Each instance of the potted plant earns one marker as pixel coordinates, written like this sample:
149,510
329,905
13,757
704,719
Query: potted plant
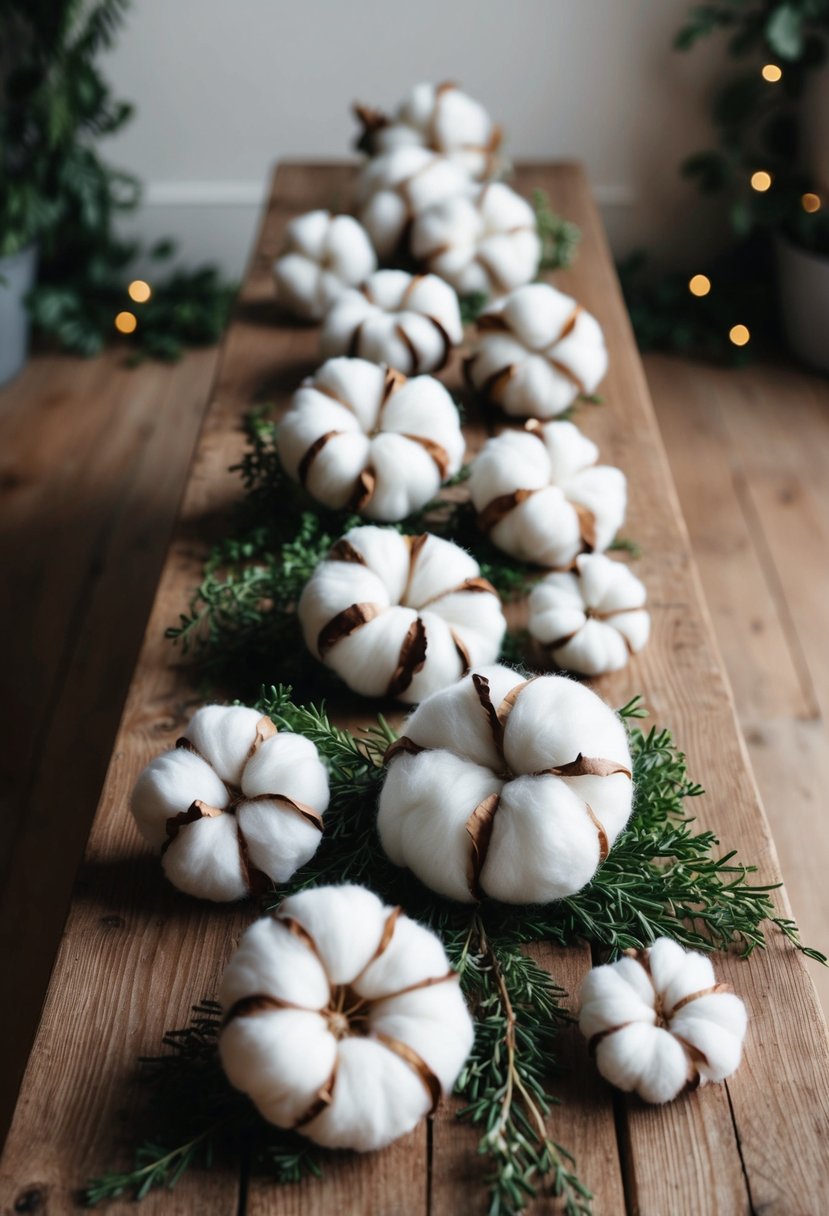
767,165
59,200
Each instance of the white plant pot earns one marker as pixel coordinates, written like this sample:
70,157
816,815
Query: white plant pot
804,302
17,277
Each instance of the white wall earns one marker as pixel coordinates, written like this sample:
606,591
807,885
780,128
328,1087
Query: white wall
224,88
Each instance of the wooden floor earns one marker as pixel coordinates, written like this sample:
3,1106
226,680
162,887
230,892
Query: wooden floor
92,462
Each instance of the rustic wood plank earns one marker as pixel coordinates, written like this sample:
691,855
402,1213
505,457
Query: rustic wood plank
94,457
761,550
671,1156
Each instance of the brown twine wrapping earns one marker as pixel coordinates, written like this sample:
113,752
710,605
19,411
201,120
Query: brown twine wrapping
479,827
411,660
416,1063
344,551
325,1096
500,507
313,451
344,624
411,349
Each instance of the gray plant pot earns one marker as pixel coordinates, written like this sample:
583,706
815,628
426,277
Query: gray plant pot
804,302
17,276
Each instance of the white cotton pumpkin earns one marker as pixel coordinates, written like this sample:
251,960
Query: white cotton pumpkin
506,788
440,117
537,350
234,806
541,496
592,619
408,322
343,1019
398,615
393,189
323,255
658,1022
361,436
484,242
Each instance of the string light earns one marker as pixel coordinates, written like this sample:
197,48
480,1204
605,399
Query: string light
739,335
771,72
761,180
126,322
699,285
139,291
810,203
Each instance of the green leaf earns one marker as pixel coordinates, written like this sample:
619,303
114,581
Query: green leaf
784,31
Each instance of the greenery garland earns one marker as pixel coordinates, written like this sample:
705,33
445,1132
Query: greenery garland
663,876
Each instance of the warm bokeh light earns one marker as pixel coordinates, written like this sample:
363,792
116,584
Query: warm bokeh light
139,291
739,334
126,322
699,285
772,73
761,180
810,203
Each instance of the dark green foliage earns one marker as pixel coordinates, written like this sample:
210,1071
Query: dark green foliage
662,877
559,237
55,106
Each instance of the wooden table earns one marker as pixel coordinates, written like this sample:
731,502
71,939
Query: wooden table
135,954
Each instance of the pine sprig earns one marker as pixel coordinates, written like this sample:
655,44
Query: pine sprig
559,237
518,1014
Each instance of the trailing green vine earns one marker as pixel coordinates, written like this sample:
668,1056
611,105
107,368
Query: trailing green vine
663,876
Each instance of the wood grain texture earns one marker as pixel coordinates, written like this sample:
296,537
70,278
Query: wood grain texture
135,955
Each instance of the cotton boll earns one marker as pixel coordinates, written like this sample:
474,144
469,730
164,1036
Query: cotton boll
234,805
362,436
399,615
322,256
508,788
408,322
658,1021
541,497
441,118
487,242
537,350
593,619
394,188
356,1060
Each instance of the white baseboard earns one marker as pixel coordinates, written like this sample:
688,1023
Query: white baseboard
241,193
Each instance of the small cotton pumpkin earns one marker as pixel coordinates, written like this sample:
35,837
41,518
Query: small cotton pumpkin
234,806
440,117
396,187
400,616
323,254
487,242
343,1019
505,787
593,619
658,1022
408,322
361,436
541,496
537,350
